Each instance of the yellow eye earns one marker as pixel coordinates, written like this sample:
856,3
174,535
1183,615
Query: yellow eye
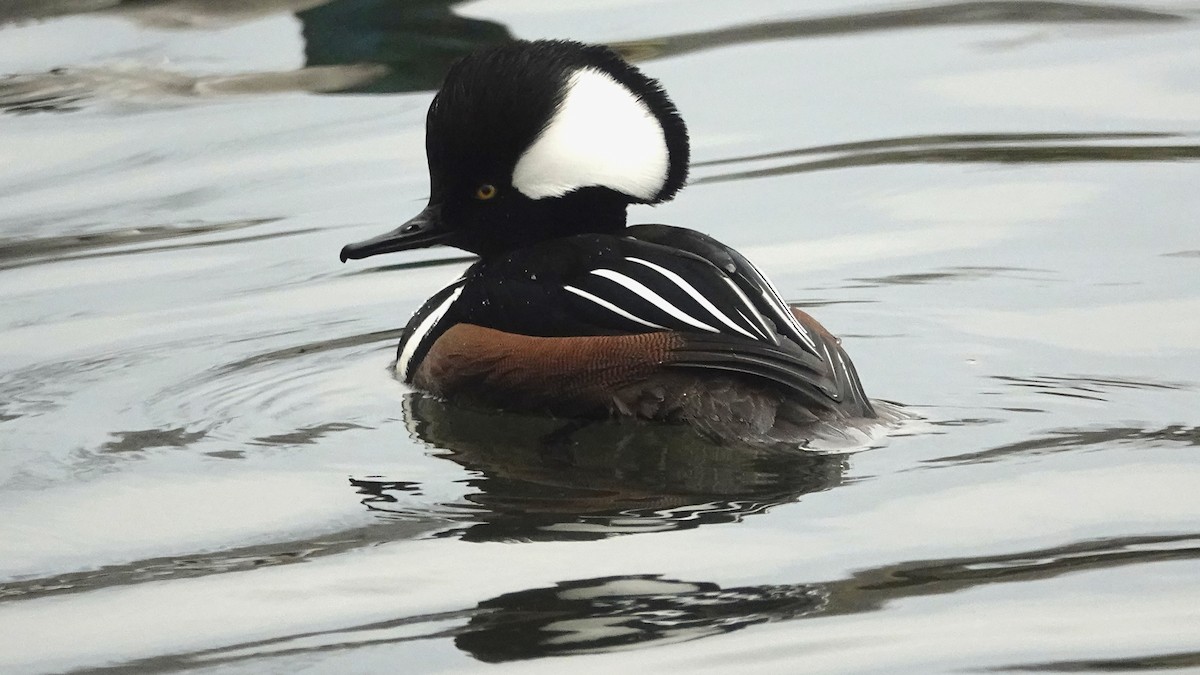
485,192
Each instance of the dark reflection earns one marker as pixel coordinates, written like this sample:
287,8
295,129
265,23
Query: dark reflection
611,613
944,140
1091,388
144,439
1136,664
545,479
953,14
958,273
416,40
306,435
381,46
595,615
69,88
200,564
1071,440
373,46
978,149
307,349
159,13
617,613
21,252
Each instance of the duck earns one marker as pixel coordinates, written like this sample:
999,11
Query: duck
535,151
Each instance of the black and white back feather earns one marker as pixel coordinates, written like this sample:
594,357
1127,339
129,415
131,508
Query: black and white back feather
655,278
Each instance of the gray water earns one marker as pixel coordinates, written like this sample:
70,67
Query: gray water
206,466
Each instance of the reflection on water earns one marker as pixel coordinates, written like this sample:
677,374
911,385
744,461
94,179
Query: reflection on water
959,273
538,478
188,376
416,40
201,564
20,252
1091,388
305,435
308,348
1138,664
602,614
66,90
1033,148
587,616
943,141
1074,440
381,46
164,13
952,14
596,615
143,439
358,46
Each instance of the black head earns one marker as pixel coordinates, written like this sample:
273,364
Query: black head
535,140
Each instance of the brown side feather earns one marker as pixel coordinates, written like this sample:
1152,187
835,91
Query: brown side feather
812,324
600,376
855,401
564,375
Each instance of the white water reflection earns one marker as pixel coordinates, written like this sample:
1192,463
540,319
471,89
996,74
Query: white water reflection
998,204
848,250
247,506
1163,327
1091,90
862,525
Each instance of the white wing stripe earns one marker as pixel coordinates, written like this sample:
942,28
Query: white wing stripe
841,363
752,323
653,298
852,377
759,321
785,312
611,307
695,295
421,332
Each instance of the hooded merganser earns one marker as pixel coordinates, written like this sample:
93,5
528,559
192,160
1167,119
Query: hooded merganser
535,150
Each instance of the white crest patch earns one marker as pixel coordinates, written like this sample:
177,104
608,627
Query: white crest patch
601,135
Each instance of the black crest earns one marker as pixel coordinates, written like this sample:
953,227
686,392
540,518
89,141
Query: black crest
495,102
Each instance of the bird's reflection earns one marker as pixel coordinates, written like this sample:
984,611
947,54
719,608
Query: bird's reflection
536,478
606,614
616,613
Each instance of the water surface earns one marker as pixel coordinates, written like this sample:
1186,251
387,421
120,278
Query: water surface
207,467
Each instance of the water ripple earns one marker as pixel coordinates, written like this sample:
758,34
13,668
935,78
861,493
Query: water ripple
1070,440
961,149
22,252
952,14
606,614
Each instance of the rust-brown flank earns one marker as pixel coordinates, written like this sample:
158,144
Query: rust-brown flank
568,375
812,324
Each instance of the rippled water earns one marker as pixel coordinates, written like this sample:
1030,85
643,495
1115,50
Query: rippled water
206,466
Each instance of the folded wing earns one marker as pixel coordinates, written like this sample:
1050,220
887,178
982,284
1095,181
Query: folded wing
729,316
